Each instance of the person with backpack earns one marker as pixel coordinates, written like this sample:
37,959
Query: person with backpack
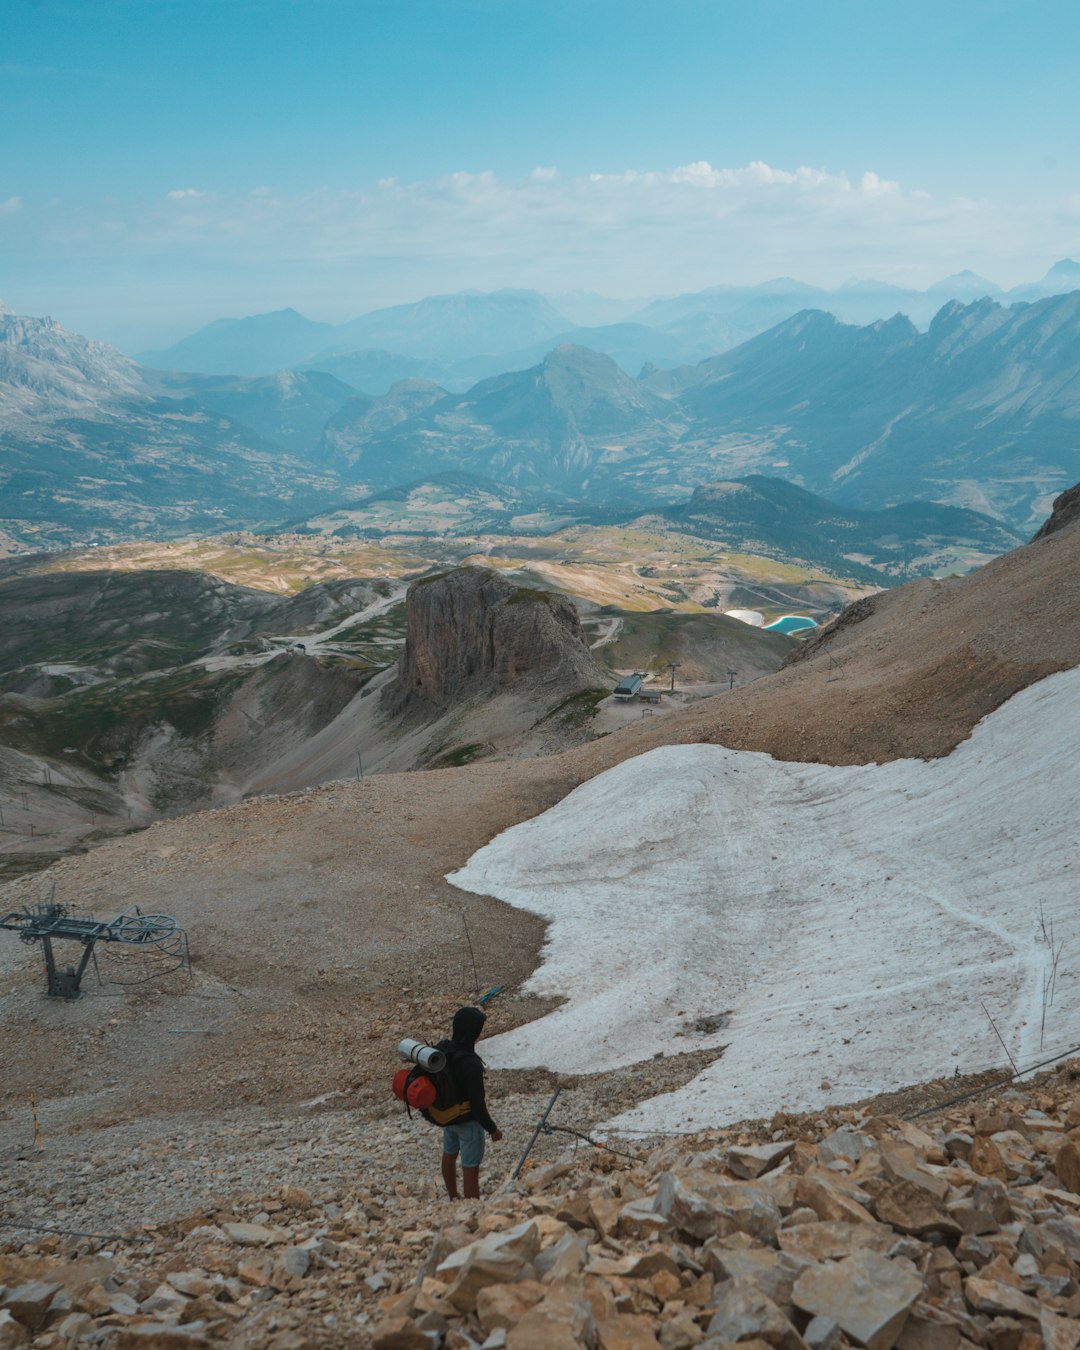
464,1136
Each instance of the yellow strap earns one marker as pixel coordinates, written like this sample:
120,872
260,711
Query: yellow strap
451,1113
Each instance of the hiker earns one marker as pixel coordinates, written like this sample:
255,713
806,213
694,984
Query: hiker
466,1135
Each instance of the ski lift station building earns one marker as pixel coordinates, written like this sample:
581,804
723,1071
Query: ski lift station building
628,687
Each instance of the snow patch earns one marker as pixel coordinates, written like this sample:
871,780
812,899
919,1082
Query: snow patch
836,929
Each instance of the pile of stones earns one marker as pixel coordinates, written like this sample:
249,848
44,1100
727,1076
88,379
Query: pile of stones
801,1234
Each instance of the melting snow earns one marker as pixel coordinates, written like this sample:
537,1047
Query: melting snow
837,929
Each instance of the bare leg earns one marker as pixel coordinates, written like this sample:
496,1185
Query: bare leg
470,1179
449,1175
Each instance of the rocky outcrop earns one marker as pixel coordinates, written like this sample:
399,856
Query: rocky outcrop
1066,512
471,633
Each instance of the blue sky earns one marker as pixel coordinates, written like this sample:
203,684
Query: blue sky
166,162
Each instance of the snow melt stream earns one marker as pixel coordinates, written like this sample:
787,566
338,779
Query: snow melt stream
838,930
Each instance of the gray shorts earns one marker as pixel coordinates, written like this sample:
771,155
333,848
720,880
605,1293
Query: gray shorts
467,1139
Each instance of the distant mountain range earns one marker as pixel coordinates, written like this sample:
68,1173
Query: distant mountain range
456,340
771,516
93,447
982,410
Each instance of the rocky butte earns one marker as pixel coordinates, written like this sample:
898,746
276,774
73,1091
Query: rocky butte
472,634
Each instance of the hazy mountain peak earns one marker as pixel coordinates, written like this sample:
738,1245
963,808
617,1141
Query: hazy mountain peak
43,365
965,284
1065,270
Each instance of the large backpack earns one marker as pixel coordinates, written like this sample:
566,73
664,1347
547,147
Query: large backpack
436,1096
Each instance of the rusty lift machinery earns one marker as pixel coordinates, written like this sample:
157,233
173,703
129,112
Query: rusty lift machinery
49,922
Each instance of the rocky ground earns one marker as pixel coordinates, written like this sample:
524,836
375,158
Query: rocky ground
955,1230
323,929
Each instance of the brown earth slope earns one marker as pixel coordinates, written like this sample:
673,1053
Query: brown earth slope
320,923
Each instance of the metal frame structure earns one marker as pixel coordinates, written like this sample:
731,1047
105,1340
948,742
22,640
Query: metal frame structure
45,923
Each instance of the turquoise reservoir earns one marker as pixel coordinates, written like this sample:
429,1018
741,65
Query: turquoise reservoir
790,623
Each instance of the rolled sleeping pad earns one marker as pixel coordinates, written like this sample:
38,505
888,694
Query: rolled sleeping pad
419,1052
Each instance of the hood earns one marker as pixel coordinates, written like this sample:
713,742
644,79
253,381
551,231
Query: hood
467,1026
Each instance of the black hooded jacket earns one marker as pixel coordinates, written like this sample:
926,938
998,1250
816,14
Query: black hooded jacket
467,1067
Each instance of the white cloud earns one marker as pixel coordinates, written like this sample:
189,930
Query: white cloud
874,186
634,232
11,207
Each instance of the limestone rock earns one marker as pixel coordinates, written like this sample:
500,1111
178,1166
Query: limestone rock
680,1333
155,1336
829,1202
640,1218
867,1295
504,1305
253,1234
999,1299
398,1333
843,1143
833,1241
985,1158
773,1272
702,1207
1067,1165
562,1320
909,1208
1058,1333
743,1312
627,1331
29,1303
494,1259
822,1333
757,1159
563,1258
12,1333
901,1165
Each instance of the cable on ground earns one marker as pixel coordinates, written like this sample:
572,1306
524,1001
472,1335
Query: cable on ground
990,1087
596,1143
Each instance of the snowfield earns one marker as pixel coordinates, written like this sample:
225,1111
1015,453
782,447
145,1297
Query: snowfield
838,930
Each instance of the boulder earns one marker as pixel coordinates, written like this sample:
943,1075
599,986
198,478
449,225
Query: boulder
155,1336
829,1202
495,1259
743,1312
756,1159
867,1295
1058,1333
29,1303
253,1234
627,1331
999,1299
504,1305
833,1241
910,1208
900,1163
399,1333
562,1320
843,1144
12,1333
562,1259
701,1206
1067,1165
773,1272
985,1158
